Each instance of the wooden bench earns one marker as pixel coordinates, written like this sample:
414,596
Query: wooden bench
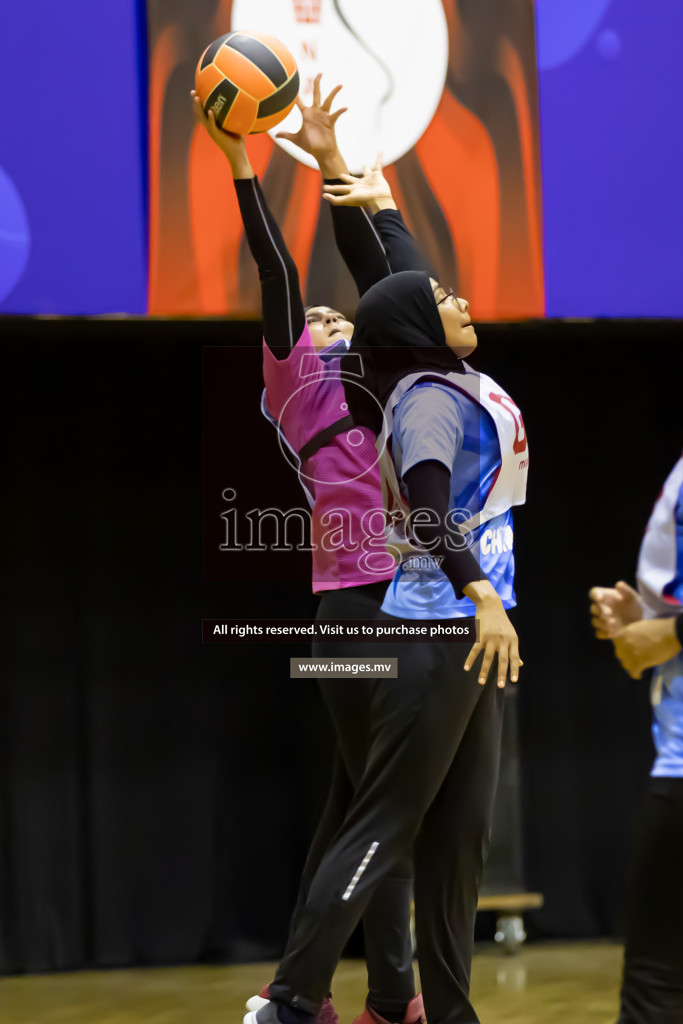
508,907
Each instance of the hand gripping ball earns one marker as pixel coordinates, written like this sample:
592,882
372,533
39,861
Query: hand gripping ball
250,81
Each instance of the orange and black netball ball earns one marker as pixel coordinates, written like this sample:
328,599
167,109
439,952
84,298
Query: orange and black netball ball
250,81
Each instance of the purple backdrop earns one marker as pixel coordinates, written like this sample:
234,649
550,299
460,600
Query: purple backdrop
73,205
611,94
73,219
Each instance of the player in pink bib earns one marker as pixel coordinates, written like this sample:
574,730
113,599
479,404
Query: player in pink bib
337,465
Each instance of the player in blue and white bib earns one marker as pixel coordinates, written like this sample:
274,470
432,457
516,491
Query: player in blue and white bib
430,774
446,421
647,629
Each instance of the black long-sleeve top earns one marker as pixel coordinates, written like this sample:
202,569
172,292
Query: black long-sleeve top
372,248
281,303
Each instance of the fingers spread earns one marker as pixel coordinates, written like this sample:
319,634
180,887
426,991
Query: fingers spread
316,89
472,656
515,661
502,666
337,114
328,100
487,662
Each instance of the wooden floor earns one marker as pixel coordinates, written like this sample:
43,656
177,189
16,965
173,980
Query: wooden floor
544,984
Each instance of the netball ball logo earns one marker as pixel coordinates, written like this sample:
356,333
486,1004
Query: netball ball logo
390,55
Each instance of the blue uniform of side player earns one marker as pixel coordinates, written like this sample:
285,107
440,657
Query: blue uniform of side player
652,987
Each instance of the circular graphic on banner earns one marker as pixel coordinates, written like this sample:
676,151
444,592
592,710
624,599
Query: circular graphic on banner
15,236
608,44
564,27
390,55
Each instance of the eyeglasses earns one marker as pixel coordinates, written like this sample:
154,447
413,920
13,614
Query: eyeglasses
446,296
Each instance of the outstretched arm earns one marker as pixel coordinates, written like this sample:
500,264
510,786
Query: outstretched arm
357,238
401,248
372,192
281,304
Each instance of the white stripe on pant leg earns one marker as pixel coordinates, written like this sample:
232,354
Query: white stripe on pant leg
356,878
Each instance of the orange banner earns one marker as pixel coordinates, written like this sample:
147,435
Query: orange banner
464,160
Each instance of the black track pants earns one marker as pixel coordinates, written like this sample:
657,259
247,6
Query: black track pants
652,988
386,922
427,786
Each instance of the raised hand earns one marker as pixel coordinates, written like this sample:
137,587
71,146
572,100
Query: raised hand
613,608
316,135
369,188
232,145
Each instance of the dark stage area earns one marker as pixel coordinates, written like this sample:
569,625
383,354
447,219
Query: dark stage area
156,795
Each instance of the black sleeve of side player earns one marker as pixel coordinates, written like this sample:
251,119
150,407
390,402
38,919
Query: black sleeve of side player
428,486
400,246
359,243
282,309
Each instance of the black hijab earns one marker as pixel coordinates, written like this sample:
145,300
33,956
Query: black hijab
397,331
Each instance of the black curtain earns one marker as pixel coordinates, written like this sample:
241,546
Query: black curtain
157,796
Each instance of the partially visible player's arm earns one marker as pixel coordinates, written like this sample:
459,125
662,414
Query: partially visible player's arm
372,191
281,305
356,236
647,643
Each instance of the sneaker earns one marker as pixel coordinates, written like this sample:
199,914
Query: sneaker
266,1014
327,1015
415,1013
256,1002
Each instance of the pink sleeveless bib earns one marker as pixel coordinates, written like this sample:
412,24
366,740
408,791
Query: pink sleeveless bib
303,396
